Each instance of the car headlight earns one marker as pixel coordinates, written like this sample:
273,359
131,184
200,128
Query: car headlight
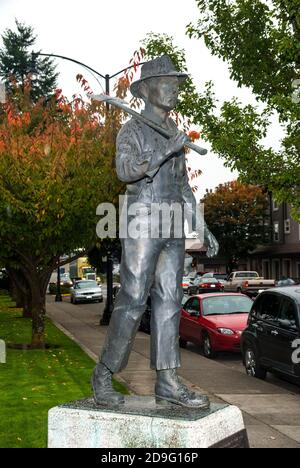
226,331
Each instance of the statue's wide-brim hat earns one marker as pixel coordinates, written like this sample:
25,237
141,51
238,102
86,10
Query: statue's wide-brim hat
157,68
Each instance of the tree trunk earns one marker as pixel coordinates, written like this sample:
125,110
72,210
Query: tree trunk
38,322
31,281
16,295
20,290
38,286
27,309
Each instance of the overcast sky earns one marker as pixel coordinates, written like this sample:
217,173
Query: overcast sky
104,35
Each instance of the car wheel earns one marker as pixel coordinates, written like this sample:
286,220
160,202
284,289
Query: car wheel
74,302
182,343
71,300
207,347
252,366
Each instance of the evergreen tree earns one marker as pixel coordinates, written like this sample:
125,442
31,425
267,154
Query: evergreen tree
17,63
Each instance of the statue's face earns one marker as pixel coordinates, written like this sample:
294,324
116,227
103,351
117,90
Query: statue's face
163,92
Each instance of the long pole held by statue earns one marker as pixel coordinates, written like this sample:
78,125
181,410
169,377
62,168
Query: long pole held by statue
123,105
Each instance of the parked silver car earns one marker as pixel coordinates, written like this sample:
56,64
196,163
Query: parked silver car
86,291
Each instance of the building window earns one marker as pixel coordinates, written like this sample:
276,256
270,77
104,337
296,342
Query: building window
287,226
275,205
287,268
276,232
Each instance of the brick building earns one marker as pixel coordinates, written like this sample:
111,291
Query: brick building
282,256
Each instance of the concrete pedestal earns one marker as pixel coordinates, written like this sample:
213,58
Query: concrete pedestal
2,352
141,423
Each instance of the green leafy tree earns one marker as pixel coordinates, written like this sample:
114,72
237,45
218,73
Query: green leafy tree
259,40
56,166
16,63
237,215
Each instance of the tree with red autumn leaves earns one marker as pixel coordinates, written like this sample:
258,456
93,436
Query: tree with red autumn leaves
56,167
57,164
238,216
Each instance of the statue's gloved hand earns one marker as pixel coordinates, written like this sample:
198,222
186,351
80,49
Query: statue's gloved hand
176,143
211,243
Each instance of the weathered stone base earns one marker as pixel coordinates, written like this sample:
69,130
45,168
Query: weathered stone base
141,423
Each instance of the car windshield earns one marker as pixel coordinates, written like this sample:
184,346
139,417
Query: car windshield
86,284
87,270
247,274
220,276
222,305
208,280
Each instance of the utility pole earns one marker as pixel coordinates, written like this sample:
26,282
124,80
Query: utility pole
109,301
58,297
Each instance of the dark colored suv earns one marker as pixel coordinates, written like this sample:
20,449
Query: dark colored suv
271,341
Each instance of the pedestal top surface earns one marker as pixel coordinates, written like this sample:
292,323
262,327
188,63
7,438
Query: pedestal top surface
146,406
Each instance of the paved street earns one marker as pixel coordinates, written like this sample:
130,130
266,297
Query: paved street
271,409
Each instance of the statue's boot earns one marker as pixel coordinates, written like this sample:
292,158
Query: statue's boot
104,393
169,388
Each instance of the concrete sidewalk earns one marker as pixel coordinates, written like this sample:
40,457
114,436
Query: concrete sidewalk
271,412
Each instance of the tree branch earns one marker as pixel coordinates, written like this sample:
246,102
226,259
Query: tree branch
73,258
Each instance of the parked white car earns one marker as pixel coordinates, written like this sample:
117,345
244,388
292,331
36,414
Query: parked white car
86,291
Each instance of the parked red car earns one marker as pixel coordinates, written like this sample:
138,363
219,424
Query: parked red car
215,321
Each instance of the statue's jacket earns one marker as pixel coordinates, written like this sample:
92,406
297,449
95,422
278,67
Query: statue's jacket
140,152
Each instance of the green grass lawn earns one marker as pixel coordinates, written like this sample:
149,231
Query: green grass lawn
32,382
